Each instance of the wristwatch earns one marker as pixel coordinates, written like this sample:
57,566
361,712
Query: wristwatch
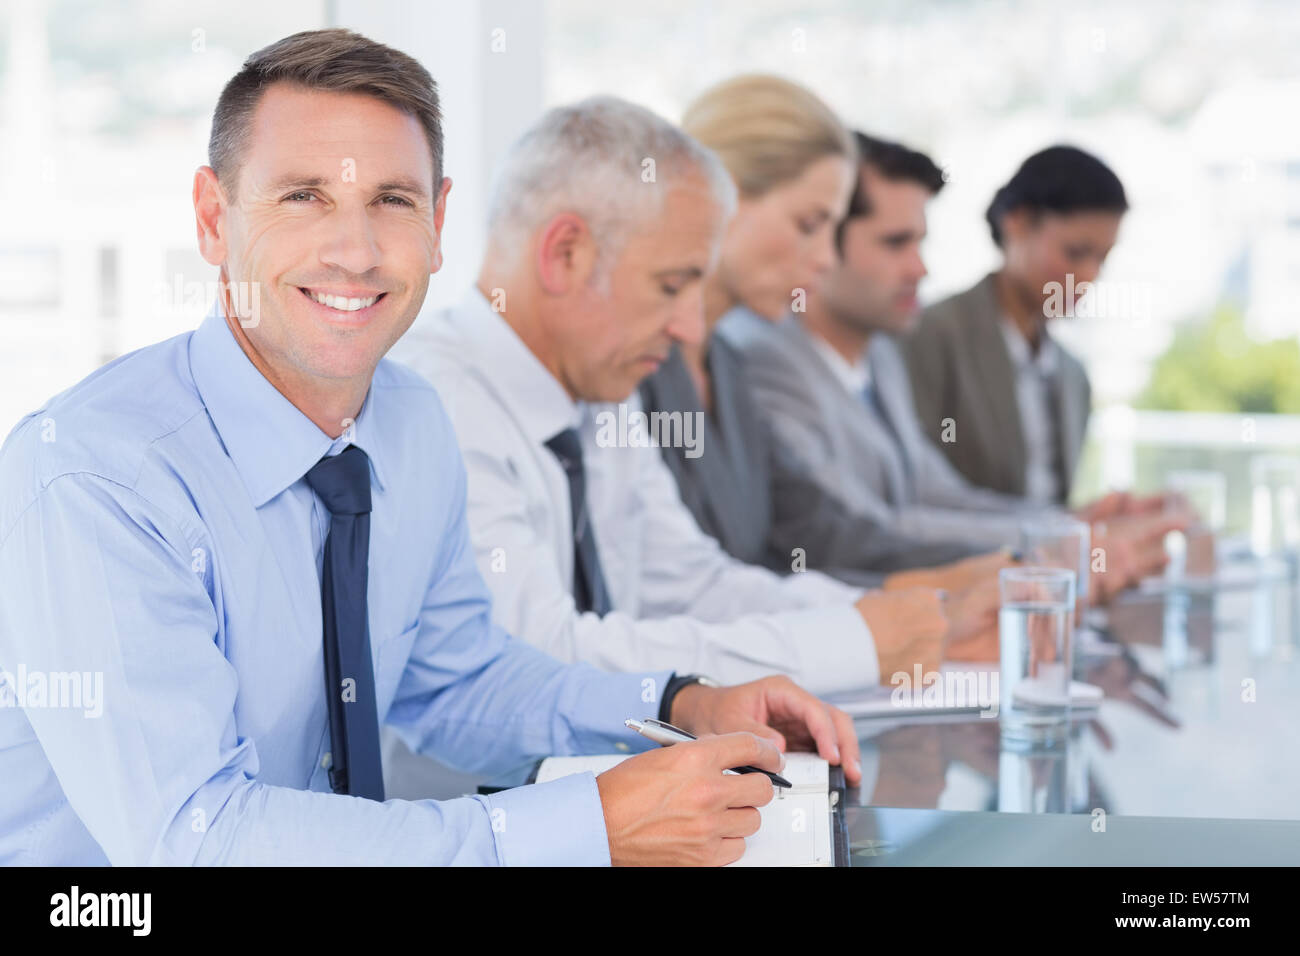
675,684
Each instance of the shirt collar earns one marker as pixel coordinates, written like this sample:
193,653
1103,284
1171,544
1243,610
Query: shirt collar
270,441
1044,362
537,400
854,376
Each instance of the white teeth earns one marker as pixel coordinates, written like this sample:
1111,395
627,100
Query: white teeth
342,303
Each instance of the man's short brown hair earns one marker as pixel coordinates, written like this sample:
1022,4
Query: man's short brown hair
336,60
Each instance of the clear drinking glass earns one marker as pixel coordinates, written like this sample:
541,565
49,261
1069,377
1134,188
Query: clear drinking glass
1274,514
1035,636
1205,493
1033,779
1061,543
1192,552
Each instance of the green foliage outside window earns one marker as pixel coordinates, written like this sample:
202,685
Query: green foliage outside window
1213,366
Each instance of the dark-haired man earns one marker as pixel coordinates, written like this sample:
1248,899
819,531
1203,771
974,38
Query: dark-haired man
250,541
836,389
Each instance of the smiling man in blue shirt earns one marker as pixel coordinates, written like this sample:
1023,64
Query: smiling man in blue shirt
212,525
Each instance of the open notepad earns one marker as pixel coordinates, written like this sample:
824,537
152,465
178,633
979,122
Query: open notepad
966,689
797,827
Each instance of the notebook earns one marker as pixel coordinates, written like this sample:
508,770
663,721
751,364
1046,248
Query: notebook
968,689
802,826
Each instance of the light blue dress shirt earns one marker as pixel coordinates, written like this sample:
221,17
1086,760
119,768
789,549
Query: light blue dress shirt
157,541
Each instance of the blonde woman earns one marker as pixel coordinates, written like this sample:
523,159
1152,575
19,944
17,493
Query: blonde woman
794,165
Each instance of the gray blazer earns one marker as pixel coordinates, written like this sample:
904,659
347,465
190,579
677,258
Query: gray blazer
759,504
876,460
961,369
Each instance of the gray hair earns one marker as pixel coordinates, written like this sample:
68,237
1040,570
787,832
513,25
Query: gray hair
603,159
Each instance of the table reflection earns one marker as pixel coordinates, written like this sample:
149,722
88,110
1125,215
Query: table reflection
1199,718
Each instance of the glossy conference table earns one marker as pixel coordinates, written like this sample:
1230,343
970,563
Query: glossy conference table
1192,758
1186,769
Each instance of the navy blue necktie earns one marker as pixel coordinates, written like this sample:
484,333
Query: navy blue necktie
343,484
589,592
1052,385
871,395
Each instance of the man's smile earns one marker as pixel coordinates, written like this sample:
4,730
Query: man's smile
348,304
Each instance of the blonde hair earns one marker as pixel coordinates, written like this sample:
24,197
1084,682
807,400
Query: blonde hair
766,130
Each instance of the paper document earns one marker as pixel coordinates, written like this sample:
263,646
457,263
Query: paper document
960,689
796,825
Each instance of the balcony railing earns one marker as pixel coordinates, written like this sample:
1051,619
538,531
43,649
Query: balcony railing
1127,448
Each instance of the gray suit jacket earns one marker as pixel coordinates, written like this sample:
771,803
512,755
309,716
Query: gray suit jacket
961,370
875,460
759,505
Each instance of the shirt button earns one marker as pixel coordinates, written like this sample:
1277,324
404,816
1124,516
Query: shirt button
326,760
621,746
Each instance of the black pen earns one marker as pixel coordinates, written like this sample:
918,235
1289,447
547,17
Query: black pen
666,734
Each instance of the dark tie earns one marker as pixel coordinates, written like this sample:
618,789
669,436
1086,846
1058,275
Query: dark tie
343,484
1052,386
589,592
871,395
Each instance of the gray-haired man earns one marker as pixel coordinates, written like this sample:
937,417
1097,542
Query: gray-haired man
605,219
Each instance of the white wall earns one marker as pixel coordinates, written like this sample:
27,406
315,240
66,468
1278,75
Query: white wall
486,57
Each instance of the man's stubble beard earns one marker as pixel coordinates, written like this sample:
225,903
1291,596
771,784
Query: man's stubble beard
857,320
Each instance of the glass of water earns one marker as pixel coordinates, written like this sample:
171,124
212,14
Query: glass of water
1274,515
1061,543
1204,493
1035,635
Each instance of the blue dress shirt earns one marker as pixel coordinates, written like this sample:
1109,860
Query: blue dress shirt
161,678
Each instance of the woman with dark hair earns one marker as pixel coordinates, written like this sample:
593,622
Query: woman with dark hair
983,363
